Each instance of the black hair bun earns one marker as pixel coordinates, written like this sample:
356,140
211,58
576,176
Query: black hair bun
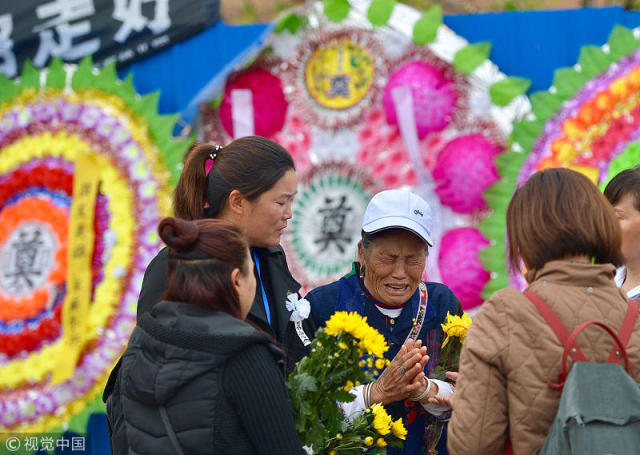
178,234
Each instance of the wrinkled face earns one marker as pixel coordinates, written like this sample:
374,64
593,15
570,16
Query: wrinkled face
629,218
393,266
267,217
245,284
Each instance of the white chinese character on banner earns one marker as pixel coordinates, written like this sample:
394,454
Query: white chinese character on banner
129,12
8,64
62,12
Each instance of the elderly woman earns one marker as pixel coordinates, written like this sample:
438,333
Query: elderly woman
385,286
562,229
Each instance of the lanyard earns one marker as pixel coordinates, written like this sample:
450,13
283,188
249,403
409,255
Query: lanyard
264,294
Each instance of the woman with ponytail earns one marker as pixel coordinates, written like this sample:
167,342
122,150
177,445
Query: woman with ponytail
251,183
196,378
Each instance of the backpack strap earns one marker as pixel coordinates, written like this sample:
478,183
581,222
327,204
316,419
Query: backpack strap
625,330
555,323
569,340
571,344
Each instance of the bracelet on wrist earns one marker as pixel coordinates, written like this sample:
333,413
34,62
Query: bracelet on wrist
424,393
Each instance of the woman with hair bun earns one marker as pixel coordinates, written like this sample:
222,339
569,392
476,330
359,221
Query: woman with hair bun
196,378
251,183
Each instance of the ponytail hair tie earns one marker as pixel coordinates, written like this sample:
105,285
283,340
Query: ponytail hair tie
212,158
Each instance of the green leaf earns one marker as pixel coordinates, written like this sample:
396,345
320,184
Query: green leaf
302,383
8,88
56,75
291,23
593,60
426,29
527,132
470,57
336,10
621,42
544,104
380,11
30,76
504,91
83,75
567,81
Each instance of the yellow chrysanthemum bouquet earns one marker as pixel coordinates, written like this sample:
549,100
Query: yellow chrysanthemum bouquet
346,353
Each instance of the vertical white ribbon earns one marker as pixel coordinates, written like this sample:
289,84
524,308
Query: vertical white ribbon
403,102
242,113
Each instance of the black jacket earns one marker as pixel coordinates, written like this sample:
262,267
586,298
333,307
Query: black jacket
218,379
278,284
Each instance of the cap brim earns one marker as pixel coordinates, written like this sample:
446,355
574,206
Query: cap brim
395,222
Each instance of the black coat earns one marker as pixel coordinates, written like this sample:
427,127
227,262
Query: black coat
278,283
216,376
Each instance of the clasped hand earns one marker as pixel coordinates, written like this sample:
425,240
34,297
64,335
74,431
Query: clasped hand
404,377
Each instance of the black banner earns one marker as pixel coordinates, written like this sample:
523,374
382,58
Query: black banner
123,30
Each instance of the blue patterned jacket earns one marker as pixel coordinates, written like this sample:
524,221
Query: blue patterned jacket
347,294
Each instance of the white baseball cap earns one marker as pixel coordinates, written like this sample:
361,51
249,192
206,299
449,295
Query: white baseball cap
400,209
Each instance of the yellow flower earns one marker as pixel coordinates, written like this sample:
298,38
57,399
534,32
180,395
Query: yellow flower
368,440
456,326
341,345
369,362
339,436
355,325
361,363
348,386
381,442
381,420
399,431
333,452
380,364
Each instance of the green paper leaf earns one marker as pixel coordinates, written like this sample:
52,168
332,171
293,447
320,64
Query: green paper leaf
379,12
593,60
56,74
545,104
148,105
8,88
621,42
426,29
504,91
336,10
83,75
291,23
107,77
470,57
30,76
567,81
525,132
127,91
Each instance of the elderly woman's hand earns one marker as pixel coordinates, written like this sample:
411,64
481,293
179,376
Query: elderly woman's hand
404,375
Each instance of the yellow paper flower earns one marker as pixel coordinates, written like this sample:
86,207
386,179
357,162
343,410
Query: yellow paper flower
381,420
456,326
381,442
399,431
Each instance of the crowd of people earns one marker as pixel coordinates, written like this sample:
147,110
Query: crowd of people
205,367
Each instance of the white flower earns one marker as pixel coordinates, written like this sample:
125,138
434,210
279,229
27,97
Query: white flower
300,308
